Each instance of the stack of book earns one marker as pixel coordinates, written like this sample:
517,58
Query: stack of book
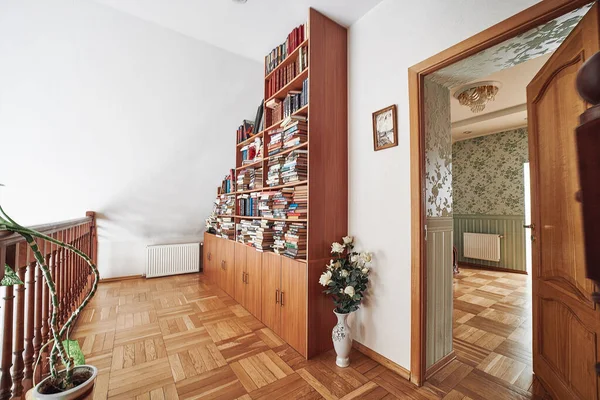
248,204
264,236
299,207
278,237
226,228
295,132
225,205
295,241
275,110
243,180
247,231
275,141
273,174
227,185
245,131
281,201
256,178
265,204
280,53
249,154
295,168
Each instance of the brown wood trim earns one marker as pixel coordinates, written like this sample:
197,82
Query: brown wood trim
9,238
486,267
121,278
519,23
440,364
389,364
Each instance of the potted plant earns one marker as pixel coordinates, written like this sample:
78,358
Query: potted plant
74,381
345,279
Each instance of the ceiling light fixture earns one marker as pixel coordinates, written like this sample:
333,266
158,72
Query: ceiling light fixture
240,1
477,95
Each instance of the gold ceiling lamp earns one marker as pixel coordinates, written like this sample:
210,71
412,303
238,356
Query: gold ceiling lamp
477,95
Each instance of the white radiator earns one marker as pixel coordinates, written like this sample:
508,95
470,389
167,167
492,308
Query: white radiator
172,259
482,246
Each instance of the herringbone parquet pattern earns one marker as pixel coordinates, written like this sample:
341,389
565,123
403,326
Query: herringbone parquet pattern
182,338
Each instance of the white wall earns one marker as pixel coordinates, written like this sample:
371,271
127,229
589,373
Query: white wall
382,46
113,114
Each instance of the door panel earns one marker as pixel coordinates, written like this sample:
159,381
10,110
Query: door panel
293,304
240,270
228,275
271,284
253,282
565,320
206,255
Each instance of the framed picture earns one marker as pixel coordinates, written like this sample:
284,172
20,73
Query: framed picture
385,133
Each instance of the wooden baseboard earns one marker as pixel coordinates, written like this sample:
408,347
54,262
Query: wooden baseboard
121,278
389,364
440,364
498,269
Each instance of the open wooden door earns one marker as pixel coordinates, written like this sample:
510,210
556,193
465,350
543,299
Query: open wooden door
566,321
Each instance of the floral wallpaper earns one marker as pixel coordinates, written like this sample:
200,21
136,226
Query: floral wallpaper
438,150
488,174
531,44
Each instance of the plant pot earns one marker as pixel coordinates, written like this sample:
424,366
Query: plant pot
79,392
342,340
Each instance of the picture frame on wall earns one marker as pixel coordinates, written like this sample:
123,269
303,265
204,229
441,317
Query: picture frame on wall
385,131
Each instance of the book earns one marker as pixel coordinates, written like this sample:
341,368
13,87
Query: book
295,241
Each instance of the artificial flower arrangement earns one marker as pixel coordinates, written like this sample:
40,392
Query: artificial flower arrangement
346,276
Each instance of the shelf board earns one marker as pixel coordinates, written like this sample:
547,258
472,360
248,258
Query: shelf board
301,111
254,164
225,215
286,151
272,188
272,219
250,139
288,60
294,84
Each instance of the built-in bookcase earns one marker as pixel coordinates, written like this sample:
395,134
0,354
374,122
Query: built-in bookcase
327,181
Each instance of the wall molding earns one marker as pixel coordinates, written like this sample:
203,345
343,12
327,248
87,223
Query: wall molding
389,364
121,278
440,364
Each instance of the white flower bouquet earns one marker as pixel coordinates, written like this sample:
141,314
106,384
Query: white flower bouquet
346,276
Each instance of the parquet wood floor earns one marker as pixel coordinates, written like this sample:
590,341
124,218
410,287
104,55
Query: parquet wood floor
182,338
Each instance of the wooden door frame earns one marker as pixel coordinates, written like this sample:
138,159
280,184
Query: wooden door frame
538,14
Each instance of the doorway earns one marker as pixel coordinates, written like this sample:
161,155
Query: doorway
518,25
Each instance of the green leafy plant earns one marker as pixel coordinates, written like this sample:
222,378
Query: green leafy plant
59,348
346,276
10,277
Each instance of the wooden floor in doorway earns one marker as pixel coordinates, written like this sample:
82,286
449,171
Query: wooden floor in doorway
183,338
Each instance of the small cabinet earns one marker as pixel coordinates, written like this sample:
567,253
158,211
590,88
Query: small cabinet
209,256
284,299
248,278
226,266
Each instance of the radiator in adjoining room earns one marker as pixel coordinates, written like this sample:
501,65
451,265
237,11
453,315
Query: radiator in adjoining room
172,259
482,246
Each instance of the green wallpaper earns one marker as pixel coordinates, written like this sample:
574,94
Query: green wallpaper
438,150
487,176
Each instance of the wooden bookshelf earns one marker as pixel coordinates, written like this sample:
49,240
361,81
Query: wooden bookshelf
306,308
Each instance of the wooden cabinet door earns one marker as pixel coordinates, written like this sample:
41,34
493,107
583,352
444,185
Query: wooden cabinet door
294,297
209,257
253,282
228,274
566,321
271,285
240,271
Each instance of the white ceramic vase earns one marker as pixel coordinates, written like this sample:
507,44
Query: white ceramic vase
342,340
83,391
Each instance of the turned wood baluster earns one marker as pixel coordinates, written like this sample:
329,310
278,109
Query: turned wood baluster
7,329
30,320
46,306
60,278
19,323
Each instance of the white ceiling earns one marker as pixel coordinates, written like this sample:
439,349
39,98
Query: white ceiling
251,29
507,111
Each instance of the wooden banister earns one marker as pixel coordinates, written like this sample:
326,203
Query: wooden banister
25,309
